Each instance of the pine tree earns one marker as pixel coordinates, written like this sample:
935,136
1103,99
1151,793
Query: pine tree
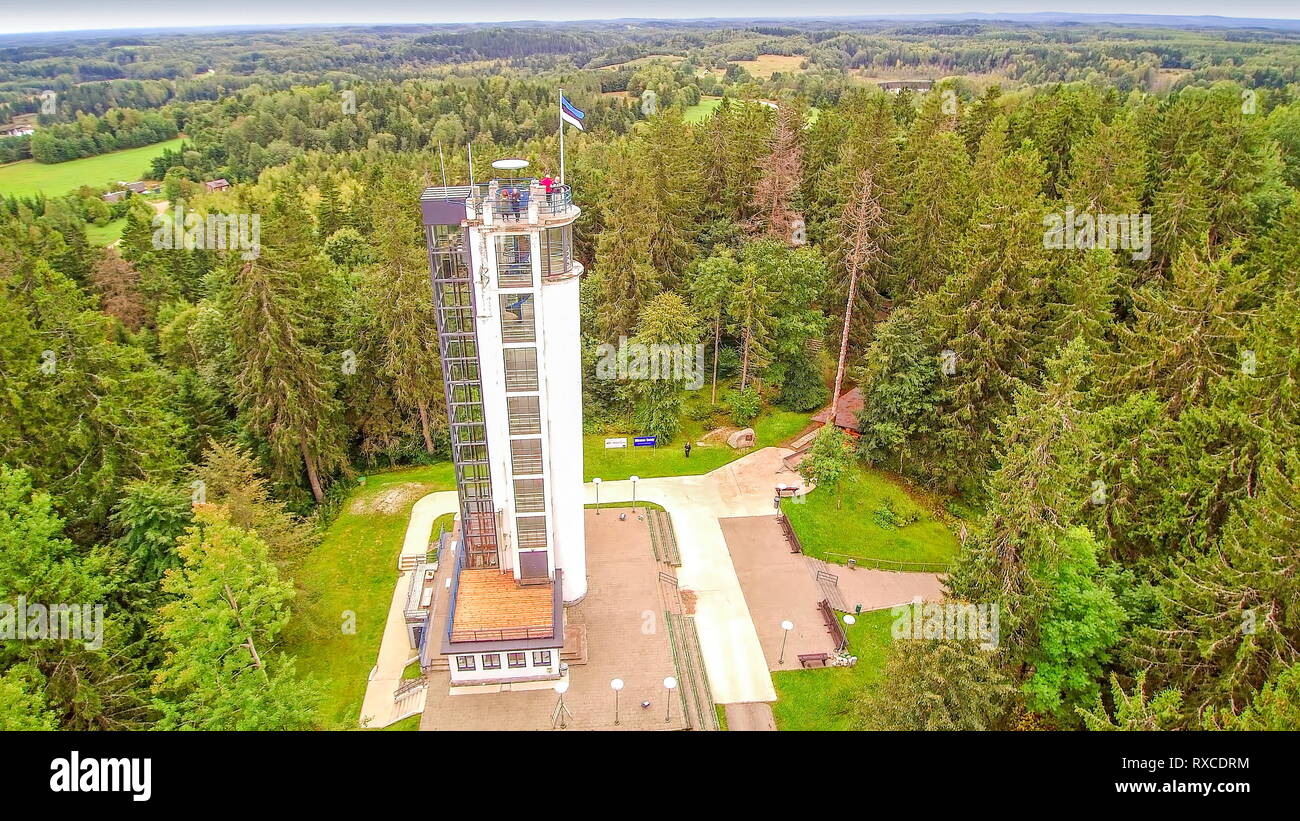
991,309
1034,497
669,322
1083,299
118,285
929,684
1185,337
1234,609
1135,712
898,380
397,292
283,385
938,203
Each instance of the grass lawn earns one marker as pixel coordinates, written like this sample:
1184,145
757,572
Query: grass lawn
27,177
702,110
853,529
106,234
771,428
820,699
354,570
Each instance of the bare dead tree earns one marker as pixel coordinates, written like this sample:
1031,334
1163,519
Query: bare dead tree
863,223
781,173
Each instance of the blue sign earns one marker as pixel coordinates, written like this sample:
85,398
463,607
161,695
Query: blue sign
643,441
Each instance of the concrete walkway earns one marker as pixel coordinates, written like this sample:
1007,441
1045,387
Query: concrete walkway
750,717
733,655
395,650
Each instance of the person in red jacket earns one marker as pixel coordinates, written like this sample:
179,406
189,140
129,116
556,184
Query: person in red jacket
547,183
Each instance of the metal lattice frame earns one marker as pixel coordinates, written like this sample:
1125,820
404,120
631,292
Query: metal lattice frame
454,300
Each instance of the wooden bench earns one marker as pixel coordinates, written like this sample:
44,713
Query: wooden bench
806,659
790,536
833,625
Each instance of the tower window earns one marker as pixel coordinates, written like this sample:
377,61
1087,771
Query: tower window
514,262
532,531
521,369
529,496
517,318
525,414
525,456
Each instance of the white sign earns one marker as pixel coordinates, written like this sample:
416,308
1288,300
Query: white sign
616,443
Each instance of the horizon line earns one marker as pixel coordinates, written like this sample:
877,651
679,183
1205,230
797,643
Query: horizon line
887,16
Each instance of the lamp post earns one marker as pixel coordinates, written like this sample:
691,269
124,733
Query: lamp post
616,685
596,482
787,626
670,684
561,713
780,491
849,620
634,478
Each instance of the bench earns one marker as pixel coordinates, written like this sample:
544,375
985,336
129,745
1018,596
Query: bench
790,536
805,659
833,625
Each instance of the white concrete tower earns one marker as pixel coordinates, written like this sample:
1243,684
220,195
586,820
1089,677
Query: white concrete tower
506,287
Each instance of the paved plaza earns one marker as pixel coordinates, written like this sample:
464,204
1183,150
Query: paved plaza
626,638
780,585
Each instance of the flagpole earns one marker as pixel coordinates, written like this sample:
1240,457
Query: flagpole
561,136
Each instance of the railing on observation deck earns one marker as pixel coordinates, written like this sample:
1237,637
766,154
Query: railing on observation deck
503,634
511,199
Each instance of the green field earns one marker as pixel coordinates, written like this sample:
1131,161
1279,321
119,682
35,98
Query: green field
28,177
822,699
106,234
772,428
702,110
354,569
853,527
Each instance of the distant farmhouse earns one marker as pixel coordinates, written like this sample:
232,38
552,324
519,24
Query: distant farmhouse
216,185
16,131
114,196
896,86
143,187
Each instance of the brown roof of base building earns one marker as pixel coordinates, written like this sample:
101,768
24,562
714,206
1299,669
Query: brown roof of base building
489,600
846,411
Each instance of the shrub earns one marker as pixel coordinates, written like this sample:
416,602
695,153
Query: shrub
744,406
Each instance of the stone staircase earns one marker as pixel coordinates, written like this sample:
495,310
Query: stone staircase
663,539
696,697
408,561
409,699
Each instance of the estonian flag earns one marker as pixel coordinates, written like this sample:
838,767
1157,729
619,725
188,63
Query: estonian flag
571,114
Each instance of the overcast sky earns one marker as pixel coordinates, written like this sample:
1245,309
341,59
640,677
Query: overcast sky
63,15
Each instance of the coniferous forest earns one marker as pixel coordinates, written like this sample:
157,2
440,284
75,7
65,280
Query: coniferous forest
1114,427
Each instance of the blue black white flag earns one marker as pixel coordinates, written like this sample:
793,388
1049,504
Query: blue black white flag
571,114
